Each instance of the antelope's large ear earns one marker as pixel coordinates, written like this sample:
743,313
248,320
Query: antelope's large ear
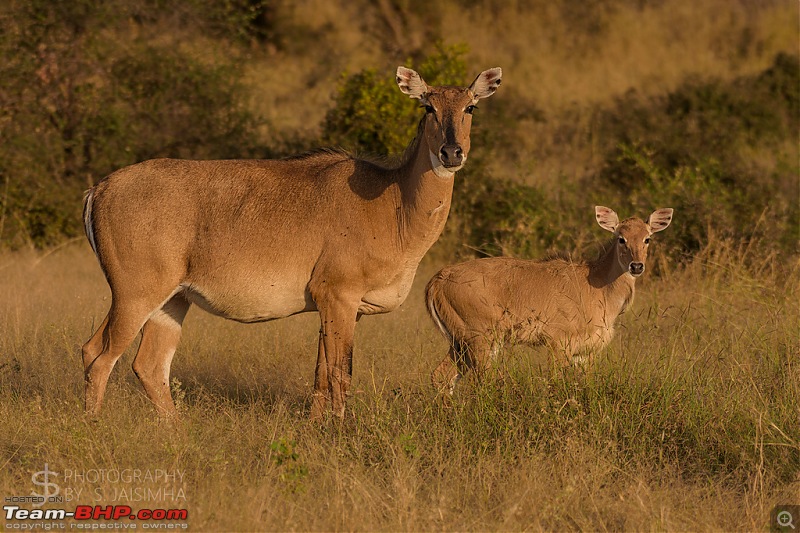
606,217
411,83
486,83
660,219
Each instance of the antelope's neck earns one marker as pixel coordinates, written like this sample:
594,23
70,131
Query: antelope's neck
608,275
426,191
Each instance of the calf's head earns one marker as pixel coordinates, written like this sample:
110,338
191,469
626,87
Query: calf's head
632,235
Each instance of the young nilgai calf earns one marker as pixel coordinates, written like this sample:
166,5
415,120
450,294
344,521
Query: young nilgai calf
570,306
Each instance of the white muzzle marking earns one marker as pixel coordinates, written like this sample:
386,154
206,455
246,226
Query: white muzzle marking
440,170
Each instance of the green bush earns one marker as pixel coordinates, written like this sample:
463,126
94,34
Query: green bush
694,150
176,106
723,155
501,217
371,116
703,121
76,105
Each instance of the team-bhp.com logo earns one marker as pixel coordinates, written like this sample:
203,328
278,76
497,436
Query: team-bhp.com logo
95,512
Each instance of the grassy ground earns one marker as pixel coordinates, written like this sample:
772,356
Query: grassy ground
689,421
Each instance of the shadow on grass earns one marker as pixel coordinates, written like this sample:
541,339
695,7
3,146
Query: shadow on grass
190,389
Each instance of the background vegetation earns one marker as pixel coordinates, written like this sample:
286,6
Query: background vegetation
689,421
697,106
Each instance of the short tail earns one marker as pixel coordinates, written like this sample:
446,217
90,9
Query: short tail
431,293
88,220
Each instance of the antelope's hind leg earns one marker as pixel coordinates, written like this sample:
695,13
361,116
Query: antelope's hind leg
446,375
160,337
478,355
96,375
475,354
104,348
321,383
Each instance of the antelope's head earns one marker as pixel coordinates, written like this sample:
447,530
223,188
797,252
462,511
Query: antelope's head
448,115
633,235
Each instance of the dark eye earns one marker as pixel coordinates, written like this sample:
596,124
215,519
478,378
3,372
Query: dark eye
622,240
469,109
429,108
647,240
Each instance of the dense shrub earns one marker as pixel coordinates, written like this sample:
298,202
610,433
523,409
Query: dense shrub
501,217
370,115
723,154
703,121
80,98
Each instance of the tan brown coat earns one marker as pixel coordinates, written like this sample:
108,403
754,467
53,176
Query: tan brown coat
261,240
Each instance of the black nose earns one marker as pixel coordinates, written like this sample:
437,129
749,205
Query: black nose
451,155
636,268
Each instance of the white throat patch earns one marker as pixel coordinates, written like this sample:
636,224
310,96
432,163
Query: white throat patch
439,169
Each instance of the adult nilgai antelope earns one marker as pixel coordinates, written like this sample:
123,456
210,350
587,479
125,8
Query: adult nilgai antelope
570,306
265,239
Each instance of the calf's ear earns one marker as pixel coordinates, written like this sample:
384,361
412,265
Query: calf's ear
607,218
660,219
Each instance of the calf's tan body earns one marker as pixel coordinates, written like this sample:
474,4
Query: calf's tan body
570,306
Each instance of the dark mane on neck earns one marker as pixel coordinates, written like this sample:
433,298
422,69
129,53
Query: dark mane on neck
388,162
604,250
559,255
320,152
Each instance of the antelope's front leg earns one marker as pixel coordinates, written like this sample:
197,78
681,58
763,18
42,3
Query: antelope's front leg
338,319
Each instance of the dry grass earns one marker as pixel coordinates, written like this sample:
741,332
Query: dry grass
688,422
